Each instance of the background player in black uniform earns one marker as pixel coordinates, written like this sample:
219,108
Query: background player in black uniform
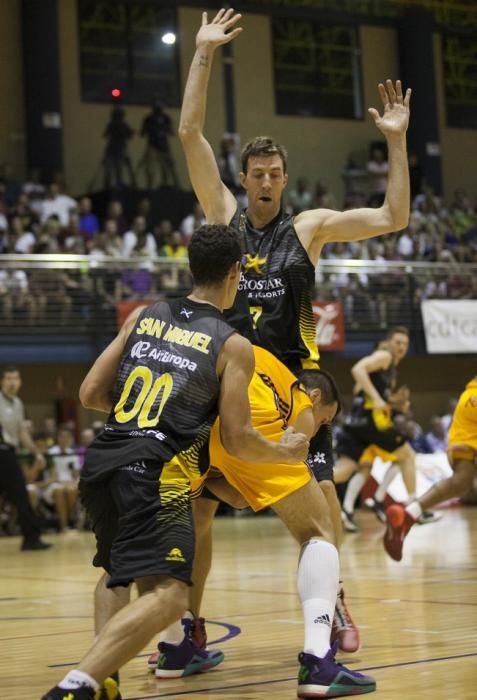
171,370
370,421
273,306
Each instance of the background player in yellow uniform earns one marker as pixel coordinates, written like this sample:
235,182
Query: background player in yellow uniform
462,452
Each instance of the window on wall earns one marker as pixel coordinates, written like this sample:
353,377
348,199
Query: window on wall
460,79
317,69
128,47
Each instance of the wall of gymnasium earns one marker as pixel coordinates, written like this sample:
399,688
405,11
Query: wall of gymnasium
12,136
318,147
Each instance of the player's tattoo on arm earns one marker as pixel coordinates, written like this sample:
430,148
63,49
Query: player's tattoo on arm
204,61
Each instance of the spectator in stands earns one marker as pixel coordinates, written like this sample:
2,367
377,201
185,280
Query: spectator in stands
71,239
33,470
86,438
301,197
17,304
114,244
156,129
57,204
63,478
138,241
437,435
50,428
13,434
21,241
174,248
416,437
162,231
25,212
405,246
3,213
144,209
192,222
33,187
116,157
116,212
88,221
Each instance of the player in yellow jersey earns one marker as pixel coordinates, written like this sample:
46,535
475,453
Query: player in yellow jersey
462,452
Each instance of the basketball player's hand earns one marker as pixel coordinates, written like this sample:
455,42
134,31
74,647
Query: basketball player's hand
297,445
380,404
219,31
395,118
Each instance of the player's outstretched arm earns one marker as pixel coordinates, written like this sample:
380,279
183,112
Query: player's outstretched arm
216,200
97,387
240,439
358,224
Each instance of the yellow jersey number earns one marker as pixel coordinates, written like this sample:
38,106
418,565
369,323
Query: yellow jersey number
255,312
146,397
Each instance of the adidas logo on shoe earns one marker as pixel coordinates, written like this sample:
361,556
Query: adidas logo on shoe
323,620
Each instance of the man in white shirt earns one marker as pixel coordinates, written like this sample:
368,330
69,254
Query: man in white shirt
56,204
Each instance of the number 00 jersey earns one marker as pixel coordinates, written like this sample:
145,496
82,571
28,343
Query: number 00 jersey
273,308
166,393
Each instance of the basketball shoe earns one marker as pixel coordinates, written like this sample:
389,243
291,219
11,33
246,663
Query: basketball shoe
399,522
377,508
186,658
198,635
348,521
344,631
325,678
108,691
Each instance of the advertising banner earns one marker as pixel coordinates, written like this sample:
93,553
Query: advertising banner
450,325
329,319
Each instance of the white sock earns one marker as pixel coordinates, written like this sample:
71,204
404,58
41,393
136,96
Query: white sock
382,489
318,580
76,679
414,509
355,485
174,634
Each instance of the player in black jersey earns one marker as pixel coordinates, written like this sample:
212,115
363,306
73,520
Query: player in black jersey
370,423
273,306
171,370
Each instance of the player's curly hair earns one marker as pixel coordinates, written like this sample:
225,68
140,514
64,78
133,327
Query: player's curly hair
213,249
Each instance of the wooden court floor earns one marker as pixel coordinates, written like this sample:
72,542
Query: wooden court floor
418,618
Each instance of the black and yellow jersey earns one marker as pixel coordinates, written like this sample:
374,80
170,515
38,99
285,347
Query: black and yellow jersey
166,394
273,308
384,381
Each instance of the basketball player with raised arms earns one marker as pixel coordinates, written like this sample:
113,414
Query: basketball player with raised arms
273,306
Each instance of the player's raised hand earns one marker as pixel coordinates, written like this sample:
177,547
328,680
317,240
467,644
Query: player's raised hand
220,30
395,118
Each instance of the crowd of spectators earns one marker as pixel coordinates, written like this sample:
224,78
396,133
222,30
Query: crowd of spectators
38,218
